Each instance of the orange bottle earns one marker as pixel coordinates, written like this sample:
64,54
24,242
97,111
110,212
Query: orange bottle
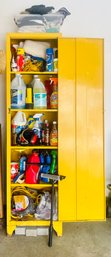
54,135
54,95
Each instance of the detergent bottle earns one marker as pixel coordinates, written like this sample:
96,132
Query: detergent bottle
33,80
33,168
39,94
18,93
38,127
54,95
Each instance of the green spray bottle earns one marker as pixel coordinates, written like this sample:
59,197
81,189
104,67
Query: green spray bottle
54,161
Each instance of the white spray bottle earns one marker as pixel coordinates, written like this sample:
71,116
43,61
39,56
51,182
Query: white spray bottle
38,126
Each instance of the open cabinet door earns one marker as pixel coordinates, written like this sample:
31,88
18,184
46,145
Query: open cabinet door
90,129
66,128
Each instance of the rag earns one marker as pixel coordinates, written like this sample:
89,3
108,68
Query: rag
39,9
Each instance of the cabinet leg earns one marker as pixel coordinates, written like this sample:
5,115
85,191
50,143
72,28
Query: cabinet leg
10,229
58,227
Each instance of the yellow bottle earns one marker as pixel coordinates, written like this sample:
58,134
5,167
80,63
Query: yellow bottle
54,135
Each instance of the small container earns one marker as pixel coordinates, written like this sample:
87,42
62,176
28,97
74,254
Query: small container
54,95
54,135
29,104
20,57
14,169
56,60
55,64
49,59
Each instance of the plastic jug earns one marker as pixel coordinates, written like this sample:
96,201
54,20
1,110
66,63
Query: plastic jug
18,92
39,94
33,168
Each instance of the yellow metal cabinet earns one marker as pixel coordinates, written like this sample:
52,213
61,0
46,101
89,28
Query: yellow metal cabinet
80,129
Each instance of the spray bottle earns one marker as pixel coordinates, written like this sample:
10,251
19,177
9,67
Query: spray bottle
54,161
38,127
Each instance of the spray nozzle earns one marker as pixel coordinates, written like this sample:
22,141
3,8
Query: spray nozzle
38,116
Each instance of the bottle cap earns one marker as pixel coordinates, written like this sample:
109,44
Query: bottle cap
49,51
20,51
54,80
36,76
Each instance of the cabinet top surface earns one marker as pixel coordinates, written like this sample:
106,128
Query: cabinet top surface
34,35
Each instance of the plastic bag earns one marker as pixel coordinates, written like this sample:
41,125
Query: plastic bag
43,209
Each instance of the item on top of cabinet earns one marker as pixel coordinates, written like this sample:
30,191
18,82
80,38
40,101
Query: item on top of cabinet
49,59
52,22
42,21
54,95
54,135
39,94
39,9
18,92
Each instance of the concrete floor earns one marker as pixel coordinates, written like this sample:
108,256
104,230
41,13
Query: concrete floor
78,240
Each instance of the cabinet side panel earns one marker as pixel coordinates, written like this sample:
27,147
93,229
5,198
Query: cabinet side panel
89,126
8,129
66,128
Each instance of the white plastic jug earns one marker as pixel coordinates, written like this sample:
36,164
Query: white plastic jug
39,94
18,93
18,122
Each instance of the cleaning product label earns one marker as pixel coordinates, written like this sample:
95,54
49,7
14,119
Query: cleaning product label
40,100
16,96
53,139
